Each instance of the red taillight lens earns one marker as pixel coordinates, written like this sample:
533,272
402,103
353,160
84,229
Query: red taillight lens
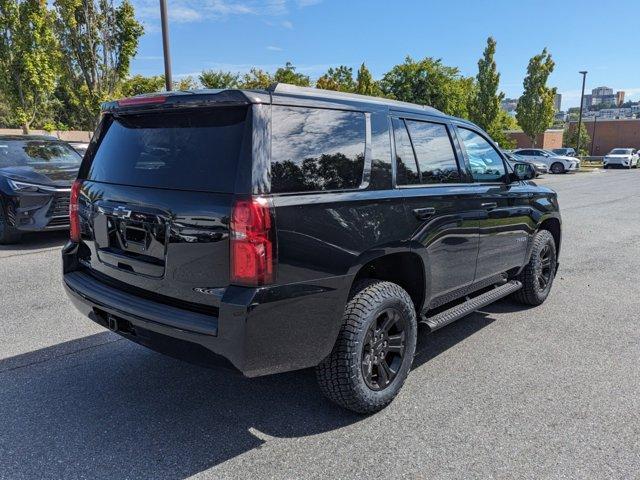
252,243
74,217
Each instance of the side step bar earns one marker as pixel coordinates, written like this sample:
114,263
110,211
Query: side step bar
462,310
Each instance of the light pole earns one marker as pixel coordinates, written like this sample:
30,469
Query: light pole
584,77
165,45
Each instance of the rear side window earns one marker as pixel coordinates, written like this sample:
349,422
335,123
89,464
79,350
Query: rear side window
188,150
436,159
316,149
406,168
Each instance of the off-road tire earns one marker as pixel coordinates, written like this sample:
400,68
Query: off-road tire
340,375
7,234
557,167
532,292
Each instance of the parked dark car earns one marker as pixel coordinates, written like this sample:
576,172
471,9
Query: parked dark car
36,173
293,228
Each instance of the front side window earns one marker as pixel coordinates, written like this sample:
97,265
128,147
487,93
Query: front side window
485,162
316,149
433,148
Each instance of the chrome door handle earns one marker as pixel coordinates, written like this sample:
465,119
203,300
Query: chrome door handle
489,205
424,213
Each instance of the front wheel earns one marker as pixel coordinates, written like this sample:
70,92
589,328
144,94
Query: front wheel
557,168
374,350
8,234
537,276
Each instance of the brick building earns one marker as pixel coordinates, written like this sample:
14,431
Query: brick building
552,138
610,134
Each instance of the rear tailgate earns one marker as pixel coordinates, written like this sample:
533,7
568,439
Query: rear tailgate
156,198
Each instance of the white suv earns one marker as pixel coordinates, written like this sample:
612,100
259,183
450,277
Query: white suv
556,163
621,157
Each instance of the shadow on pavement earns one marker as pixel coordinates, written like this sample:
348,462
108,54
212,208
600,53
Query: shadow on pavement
38,240
100,408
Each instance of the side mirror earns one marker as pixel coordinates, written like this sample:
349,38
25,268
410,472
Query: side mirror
523,171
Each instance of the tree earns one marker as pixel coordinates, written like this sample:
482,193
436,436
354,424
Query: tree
139,84
98,41
339,79
219,79
571,137
535,109
484,108
257,79
287,74
429,82
365,84
185,83
28,58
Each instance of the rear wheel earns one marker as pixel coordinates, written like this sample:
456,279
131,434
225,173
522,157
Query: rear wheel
537,276
557,168
8,234
374,350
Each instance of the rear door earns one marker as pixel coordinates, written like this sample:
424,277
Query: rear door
505,216
439,204
157,195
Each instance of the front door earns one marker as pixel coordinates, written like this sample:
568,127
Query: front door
505,223
439,203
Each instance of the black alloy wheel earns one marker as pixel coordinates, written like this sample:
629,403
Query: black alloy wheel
557,168
383,349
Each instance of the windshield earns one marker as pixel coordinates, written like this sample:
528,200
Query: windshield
621,151
33,153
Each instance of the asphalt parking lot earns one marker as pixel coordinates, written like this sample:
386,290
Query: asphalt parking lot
549,392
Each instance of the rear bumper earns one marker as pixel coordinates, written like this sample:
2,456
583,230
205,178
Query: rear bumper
258,330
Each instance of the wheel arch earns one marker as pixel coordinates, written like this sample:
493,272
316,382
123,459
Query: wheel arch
404,268
553,226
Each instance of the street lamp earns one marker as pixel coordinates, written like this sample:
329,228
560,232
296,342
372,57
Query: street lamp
584,77
165,45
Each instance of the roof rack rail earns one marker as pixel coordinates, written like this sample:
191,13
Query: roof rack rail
312,91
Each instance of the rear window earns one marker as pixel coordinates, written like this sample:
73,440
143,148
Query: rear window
188,150
621,151
316,149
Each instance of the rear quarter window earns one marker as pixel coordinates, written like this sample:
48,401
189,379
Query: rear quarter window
316,149
194,150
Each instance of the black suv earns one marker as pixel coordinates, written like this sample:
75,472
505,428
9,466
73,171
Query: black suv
292,228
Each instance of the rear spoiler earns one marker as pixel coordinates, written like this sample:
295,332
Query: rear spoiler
182,99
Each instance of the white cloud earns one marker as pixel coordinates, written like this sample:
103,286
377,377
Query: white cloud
287,24
273,48
307,3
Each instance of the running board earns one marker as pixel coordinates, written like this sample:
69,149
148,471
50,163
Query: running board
462,310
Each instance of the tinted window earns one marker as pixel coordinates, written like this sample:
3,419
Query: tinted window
621,151
406,168
485,162
432,145
194,150
316,149
34,153
524,152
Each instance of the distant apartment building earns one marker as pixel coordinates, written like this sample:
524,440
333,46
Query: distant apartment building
603,96
510,105
557,102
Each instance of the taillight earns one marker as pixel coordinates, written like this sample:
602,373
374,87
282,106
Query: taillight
74,217
135,101
252,241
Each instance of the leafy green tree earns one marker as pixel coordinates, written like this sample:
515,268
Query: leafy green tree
484,108
287,74
98,40
365,84
219,79
535,109
139,84
570,138
256,79
185,83
339,79
28,58
429,82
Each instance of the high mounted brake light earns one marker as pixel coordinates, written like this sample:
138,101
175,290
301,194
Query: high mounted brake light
74,216
252,243
134,101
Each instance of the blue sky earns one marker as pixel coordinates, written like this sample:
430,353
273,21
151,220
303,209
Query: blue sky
601,37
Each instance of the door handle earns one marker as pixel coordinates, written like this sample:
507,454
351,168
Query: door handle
489,205
424,213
